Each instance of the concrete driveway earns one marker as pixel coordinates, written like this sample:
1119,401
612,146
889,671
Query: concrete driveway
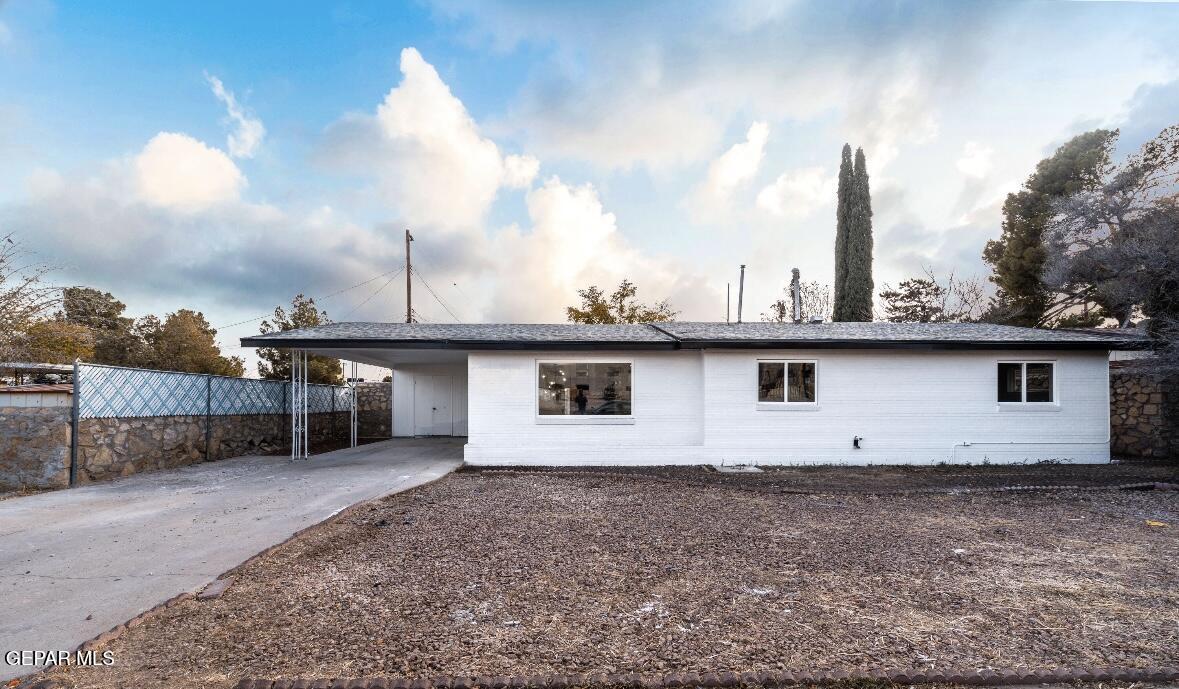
77,562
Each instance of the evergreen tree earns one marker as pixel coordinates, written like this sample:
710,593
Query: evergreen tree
842,213
275,364
853,298
1017,257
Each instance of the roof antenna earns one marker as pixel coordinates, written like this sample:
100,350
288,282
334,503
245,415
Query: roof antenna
740,293
728,299
796,295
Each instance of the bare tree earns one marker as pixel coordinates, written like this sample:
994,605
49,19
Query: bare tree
816,303
929,300
24,294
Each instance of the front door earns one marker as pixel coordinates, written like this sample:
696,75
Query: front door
432,405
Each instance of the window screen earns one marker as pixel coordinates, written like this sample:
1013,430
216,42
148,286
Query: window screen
577,389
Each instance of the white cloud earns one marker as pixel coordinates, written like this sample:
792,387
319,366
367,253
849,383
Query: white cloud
975,160
574,242
740,163
430,162
177,171
798,193
248,132
519,171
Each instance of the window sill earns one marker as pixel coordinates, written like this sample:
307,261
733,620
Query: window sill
585,420
788,406
1027,406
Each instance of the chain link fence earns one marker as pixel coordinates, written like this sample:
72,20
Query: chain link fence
127,420
117,392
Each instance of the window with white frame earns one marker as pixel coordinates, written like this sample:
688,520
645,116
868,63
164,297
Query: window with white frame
571,388
786,382
1026,381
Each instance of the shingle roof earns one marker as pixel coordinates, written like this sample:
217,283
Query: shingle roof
684,335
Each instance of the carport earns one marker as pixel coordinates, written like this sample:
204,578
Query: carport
429,395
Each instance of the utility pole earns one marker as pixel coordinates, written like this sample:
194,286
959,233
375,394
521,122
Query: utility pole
408,280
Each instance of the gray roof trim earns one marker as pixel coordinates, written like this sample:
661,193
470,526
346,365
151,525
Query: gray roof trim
682,335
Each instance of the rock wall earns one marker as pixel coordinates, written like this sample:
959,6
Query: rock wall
374,410
108,448
1143,415
34,447
35,442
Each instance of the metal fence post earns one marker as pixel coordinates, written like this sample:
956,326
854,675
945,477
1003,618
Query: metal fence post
74,426
208,413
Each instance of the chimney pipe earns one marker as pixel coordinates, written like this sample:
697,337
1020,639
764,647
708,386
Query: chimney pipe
740,293
796,295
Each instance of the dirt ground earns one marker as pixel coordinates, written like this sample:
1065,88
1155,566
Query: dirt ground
506,573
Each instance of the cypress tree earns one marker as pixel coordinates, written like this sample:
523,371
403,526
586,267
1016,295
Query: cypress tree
842,214
858,285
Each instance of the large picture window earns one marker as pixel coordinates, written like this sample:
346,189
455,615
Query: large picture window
583,389
789,382
1026,381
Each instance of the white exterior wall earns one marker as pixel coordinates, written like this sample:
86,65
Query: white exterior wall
910,407
667,399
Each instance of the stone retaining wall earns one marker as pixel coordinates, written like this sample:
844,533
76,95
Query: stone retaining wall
34,447
374,407
108,448
35,442
1143,415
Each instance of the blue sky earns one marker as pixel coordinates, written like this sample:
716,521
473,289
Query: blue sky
535,148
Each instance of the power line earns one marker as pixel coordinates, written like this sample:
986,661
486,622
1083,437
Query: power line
338,291
435,295
375,293
453,284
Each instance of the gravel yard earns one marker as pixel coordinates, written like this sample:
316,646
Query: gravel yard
506,573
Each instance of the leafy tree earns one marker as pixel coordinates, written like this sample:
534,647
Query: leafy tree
816,303
843,201
620,307
853,296
55,341
115,341
185,341
927,300
275,363
1017,257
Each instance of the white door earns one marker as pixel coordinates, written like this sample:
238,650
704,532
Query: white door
432,405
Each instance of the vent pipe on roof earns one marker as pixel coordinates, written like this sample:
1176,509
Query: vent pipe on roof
728,299
796,295
741,293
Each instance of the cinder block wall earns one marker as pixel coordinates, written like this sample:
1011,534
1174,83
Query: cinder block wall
1143,415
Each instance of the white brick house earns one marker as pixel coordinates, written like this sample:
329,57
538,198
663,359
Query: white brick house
753,393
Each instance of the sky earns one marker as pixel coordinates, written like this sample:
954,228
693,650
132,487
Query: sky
224,156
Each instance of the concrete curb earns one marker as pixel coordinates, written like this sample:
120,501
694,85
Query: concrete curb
729,680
